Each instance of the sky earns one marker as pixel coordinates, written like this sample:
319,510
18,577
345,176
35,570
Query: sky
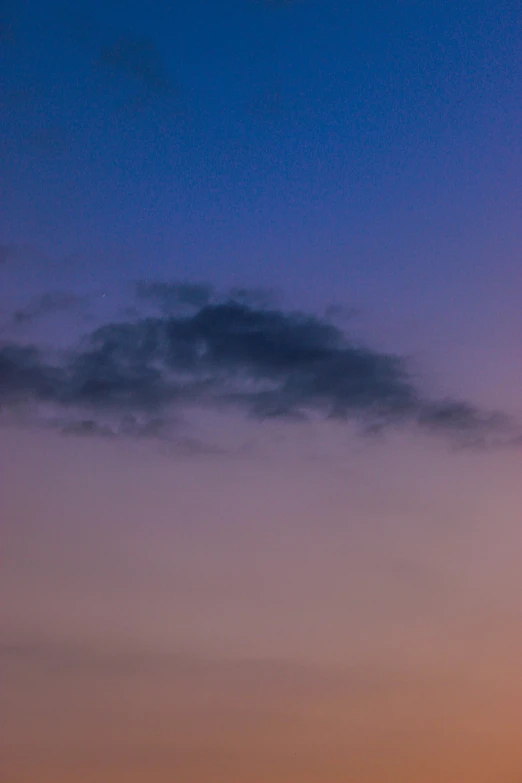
260,386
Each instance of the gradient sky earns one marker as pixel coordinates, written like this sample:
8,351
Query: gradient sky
260,378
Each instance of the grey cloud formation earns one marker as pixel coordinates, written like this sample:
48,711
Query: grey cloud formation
134,376
53,302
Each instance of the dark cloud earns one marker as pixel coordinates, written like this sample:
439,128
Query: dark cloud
450,414
25,376
171,298
254,297
47,304
139,59
131,377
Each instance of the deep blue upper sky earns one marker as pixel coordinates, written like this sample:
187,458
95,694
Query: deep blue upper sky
366,153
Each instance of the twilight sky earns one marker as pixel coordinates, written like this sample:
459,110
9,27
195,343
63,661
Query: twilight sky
260,378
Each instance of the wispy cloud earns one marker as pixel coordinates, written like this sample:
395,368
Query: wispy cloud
65,656
132,55
47,304
139,59
134,376
84,656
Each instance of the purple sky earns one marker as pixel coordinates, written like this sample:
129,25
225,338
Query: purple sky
243,533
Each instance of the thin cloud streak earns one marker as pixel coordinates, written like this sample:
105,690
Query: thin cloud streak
65,656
